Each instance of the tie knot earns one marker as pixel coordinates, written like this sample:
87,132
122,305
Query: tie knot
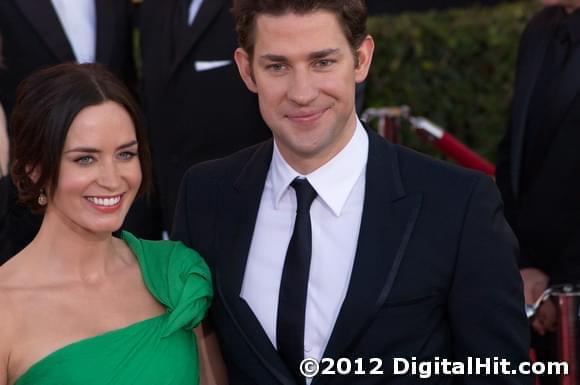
305,193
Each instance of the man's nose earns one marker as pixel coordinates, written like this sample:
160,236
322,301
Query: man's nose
302,89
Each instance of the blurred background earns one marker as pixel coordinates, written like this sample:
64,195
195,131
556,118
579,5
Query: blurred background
451,61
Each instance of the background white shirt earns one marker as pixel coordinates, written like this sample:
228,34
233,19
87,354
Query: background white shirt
78,19
193,10
335,216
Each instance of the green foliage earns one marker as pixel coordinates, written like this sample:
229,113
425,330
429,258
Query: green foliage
453,67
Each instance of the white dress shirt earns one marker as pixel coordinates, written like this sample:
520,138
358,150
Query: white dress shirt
335,216
78,19
193,10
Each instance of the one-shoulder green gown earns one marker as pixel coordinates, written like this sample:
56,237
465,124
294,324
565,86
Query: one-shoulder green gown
156,351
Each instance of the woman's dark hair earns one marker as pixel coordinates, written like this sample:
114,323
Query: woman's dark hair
47,102
351,14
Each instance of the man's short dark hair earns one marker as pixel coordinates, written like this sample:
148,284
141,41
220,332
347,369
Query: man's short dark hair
47,102
351,15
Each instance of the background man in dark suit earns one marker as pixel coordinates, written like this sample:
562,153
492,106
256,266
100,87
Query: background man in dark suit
538,161
197,106
41,33
328,241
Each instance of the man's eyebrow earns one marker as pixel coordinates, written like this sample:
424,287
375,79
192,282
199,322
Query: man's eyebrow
94,150
323,53
312,56
272,57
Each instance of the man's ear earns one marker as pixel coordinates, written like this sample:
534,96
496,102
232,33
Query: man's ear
245,68
365,57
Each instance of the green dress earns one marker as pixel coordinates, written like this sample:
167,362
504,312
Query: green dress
156,351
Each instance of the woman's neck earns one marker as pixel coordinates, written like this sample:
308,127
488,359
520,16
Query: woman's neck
68,251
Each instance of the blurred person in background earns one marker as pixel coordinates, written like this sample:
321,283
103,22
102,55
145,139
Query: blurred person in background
539,163
196,105
40,33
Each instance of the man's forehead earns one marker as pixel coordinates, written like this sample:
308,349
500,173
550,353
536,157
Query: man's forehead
311,32
291,21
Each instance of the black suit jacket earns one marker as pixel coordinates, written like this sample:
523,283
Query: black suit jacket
33,38
434,275
545,212
193,115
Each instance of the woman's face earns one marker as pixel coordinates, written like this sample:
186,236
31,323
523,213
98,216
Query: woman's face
100,173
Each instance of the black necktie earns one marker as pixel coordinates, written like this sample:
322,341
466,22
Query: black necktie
294,283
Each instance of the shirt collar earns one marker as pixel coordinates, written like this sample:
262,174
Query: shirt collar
334,180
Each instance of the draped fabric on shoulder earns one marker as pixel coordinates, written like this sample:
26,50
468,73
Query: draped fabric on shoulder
158,351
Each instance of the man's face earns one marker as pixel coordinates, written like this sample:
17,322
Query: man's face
304,72
569,5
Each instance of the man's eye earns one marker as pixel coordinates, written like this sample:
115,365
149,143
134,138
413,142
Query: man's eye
85,160
126,155
276,67
324,63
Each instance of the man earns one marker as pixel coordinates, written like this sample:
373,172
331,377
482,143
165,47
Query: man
41,33
329,242
196,105
538,162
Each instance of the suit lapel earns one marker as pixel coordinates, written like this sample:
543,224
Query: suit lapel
44,20
387,222
238,213
207,12
105,30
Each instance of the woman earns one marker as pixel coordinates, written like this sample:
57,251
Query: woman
77,305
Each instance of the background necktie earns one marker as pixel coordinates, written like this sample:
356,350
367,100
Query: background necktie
294,283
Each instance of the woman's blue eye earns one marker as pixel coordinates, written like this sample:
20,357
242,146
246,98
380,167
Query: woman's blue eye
85,160
126,155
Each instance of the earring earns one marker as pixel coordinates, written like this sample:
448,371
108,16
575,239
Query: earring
42,200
